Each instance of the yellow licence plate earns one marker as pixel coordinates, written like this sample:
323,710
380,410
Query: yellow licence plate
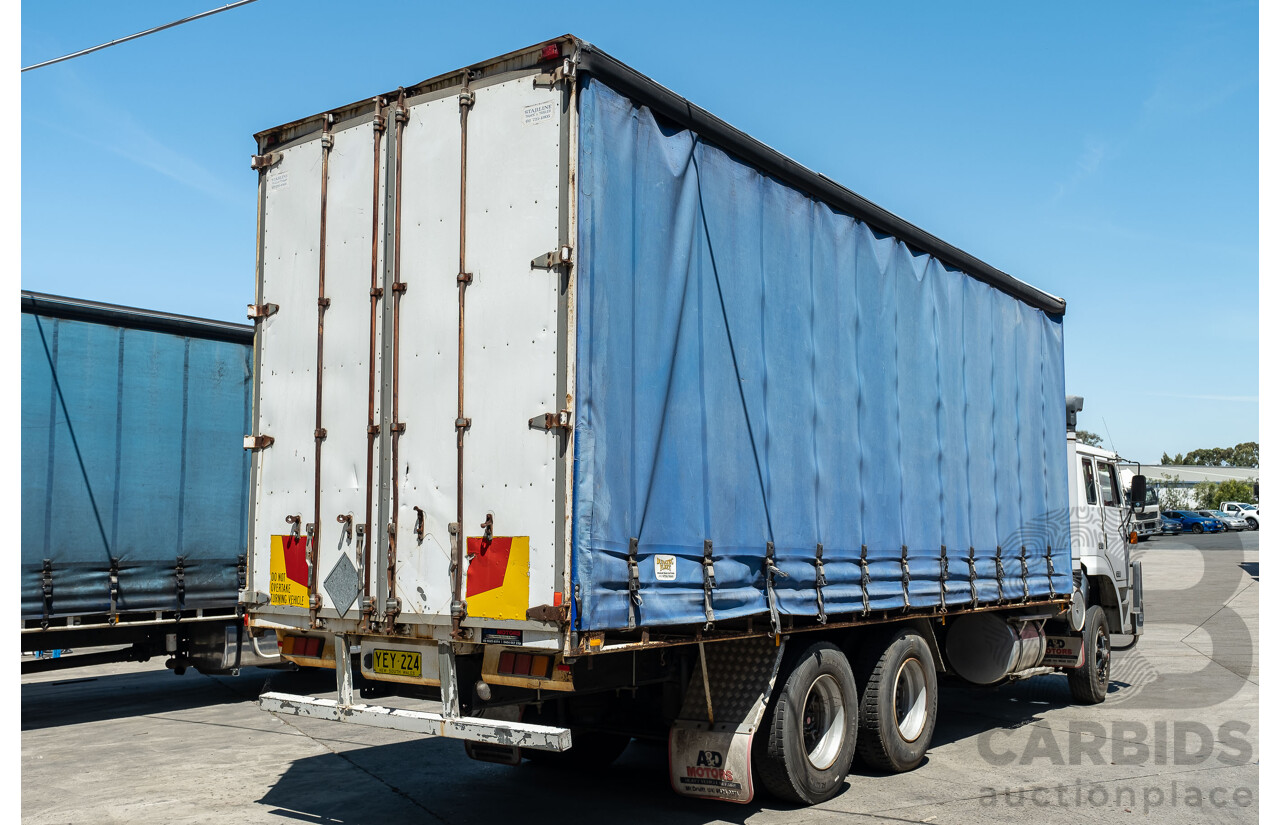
398,663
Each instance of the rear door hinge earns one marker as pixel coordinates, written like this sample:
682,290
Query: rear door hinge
259,311
562,73
266,161
551,614
258,442
552,421
558,257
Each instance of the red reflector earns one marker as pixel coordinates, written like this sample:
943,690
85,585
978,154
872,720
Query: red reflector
557,599
507,663
565,668
551,51
523,662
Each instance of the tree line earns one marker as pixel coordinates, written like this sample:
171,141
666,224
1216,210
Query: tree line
1241,455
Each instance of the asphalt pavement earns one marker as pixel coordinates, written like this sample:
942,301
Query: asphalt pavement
1177,740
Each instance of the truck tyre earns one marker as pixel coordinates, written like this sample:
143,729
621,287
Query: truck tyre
1089,682
807,738
899,702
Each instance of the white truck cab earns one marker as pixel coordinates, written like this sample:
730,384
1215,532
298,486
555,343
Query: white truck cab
1103,530
1248,512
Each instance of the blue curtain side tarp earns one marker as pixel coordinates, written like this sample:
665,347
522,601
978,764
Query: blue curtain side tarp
132,449
755,367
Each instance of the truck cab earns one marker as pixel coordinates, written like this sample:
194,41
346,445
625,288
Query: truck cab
1102,533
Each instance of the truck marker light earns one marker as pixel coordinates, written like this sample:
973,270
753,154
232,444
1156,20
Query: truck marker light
551,51
539,667
507,662
1133,537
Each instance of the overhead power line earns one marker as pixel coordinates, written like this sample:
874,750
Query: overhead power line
139,34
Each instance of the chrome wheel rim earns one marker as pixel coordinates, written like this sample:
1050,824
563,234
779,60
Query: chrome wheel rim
1102,658
823,722
910,700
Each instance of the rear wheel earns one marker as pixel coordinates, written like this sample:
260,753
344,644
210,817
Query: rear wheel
1089,681
807,738
899,707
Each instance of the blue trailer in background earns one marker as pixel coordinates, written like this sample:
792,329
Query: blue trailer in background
134,486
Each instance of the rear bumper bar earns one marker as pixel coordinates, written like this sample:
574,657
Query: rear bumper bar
472,728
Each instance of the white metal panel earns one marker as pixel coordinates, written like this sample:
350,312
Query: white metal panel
430,179
345,411
513,203
287,381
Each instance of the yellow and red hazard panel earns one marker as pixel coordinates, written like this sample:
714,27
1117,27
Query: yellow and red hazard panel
289,571
498,577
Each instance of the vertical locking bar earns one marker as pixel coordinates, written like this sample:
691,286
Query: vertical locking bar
392,606
1048,559
364,550
466,99
322,304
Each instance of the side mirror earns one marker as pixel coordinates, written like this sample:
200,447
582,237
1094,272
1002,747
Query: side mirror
1138,492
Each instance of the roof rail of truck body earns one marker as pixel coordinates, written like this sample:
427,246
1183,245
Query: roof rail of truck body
76,309
622,78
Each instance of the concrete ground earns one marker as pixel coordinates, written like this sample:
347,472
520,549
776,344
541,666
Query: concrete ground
1177,739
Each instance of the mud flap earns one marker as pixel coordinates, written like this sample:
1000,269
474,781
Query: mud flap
491,752
709,748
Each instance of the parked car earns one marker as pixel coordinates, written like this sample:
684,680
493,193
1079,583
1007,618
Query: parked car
1248,512
1193,522
1230,522
1169,526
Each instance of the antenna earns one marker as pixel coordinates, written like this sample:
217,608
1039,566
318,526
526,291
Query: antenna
1109,439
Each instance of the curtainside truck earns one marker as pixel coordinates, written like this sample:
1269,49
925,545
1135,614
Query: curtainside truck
135,488
590,416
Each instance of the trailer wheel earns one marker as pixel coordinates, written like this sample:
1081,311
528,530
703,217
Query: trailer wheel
1089,682
899,702
809,732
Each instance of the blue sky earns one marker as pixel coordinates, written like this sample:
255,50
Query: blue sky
1104,152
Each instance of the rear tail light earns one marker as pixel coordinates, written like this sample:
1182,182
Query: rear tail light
532,665
312,646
